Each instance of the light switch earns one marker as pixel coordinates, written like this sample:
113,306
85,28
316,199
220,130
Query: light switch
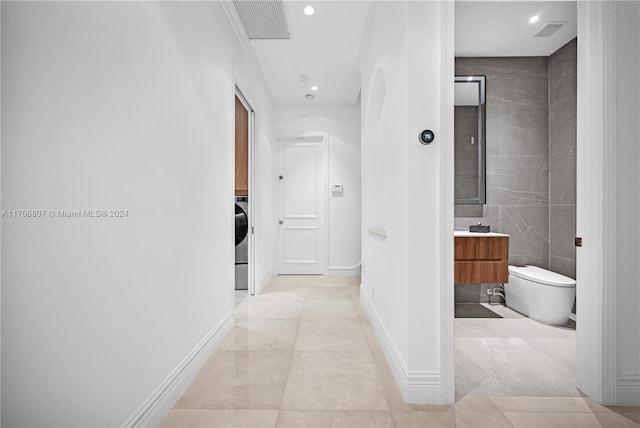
337,188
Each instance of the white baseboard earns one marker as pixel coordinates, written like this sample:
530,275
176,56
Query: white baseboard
417,386
344,270
264,280
155,408
628,391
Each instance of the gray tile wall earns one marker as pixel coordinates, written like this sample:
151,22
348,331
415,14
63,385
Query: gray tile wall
531,160
517,154
562,158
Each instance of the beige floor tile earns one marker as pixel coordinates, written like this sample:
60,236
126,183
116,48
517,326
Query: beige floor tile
541,404
332,293
629,412
552,420
245,380
481,419
331,335
362,419
615,420
259,308
306,418
370,336
288,292
333,381
330,309
509,367
476,403
223,418
424,419
595,407
262,335
334,419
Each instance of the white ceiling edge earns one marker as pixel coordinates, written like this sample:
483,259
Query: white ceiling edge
243,38
311,106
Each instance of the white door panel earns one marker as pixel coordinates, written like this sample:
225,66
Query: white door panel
302,207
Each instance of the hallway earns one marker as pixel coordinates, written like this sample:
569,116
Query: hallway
304,354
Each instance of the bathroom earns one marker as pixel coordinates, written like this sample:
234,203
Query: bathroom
529,155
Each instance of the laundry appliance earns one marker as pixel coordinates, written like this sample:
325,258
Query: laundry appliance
242,242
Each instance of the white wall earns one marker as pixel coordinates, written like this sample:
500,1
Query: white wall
116,105
627,182
608,202
407,252
343,127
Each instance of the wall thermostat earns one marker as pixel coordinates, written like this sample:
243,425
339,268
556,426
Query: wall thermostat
426,136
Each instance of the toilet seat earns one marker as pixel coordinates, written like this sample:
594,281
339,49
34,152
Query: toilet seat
541,276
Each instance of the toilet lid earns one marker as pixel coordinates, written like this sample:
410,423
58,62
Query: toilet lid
542,276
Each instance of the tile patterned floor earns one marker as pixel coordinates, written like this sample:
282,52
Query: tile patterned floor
304,354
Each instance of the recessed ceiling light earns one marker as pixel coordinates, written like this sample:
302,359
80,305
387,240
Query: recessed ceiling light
314,88
308,97
534,19
309,10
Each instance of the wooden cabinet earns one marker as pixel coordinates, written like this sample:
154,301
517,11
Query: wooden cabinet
242,149
481,259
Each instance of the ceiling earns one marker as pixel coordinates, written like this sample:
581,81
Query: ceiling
326,46
503,28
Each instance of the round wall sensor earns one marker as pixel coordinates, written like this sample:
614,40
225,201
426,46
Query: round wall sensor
426,137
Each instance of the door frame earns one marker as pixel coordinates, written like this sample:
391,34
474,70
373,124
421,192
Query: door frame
324,193
595,265
252,205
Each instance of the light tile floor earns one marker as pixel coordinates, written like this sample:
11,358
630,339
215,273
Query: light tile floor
304,354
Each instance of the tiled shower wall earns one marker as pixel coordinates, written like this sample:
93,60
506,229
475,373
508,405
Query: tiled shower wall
517,160
562,159
530,160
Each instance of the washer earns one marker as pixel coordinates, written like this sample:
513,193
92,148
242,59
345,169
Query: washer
242,242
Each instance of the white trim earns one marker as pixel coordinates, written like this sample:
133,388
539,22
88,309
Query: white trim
447,337
608,288
265,280
595,204
416,386
344,270
251,277
628,390
162,399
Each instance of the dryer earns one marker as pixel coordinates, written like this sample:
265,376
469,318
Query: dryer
242,242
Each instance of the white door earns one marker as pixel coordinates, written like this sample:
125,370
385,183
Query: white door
303,173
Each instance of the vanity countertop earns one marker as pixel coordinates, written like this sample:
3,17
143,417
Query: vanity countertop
464,233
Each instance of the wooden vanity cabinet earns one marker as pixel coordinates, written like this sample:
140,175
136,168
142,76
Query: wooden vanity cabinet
482,259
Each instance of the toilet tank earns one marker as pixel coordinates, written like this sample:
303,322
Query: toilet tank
540,294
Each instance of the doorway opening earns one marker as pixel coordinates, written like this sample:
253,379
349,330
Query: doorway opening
505,346
244,209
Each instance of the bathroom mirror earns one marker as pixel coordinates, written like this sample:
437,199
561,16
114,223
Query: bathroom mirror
469,140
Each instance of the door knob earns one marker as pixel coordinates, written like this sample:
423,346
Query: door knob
280,222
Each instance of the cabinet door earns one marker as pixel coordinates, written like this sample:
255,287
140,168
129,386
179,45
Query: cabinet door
242,149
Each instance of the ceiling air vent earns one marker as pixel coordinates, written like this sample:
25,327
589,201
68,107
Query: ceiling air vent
550,28
263,19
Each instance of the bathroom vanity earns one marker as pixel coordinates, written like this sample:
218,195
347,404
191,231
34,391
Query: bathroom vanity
481,258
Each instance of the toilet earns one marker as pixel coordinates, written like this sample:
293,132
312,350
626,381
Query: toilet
540,294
